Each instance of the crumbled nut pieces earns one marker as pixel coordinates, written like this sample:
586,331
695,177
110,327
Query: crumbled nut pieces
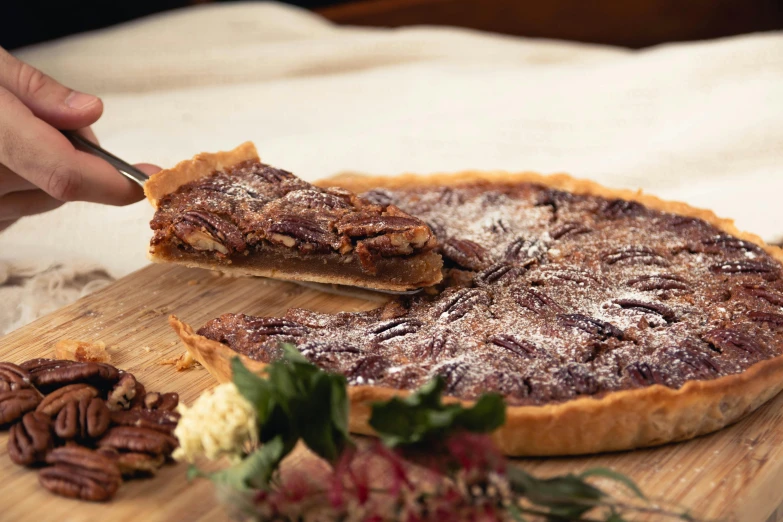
122,395
81,351
89,423
184,362
161,401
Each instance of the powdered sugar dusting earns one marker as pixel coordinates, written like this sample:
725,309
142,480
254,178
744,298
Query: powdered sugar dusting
549,296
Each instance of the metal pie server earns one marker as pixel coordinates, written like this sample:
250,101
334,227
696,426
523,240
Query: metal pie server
125,168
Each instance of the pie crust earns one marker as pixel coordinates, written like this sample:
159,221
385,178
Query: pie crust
400,256
618,420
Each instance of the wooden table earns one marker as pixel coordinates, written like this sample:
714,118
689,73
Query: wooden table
735,474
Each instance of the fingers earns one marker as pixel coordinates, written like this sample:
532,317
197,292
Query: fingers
56,104
10,182
87,132
41,155
25,203
148,168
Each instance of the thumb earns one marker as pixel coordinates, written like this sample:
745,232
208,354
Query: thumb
56,104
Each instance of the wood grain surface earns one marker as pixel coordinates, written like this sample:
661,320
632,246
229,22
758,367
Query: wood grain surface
735,474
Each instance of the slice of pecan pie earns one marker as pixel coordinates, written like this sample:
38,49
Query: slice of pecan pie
228,211
608,320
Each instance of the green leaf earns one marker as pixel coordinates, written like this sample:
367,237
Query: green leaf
516,514
488,414
297,399
194,473
428,395
615,476
421,416
255,470
317,422
252,387
293,355
567,496
340,405
285,388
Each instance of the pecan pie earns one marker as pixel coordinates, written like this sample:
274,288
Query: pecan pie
608,320
228,211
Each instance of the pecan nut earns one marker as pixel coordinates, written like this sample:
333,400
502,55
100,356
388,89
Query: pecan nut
317,200
121,396
159,420
635,256
536,301
14,404
403,231
36,366
766,270
644,374
161,401
134,464
647,283
368,369
496,273
82,473
723,339
56,401
13,377
394,328
518,347
658,309
30,439
138,440
89,418
206,231
460,303
52,376
466,254
590,325
259,327
308,235
138,399
43,363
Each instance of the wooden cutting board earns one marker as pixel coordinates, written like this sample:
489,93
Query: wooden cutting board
735,474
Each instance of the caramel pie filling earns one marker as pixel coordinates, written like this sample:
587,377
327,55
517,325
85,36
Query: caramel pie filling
253,215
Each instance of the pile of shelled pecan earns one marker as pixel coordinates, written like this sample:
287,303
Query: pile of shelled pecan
89,424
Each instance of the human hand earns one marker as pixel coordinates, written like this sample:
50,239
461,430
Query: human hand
39,168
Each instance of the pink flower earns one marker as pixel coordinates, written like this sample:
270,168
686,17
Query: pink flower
399,475
475,452
361,481
296,488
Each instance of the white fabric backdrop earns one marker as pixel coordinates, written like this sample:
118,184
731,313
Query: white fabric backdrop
701,122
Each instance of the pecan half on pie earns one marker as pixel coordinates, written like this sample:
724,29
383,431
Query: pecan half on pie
608,320
228,211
